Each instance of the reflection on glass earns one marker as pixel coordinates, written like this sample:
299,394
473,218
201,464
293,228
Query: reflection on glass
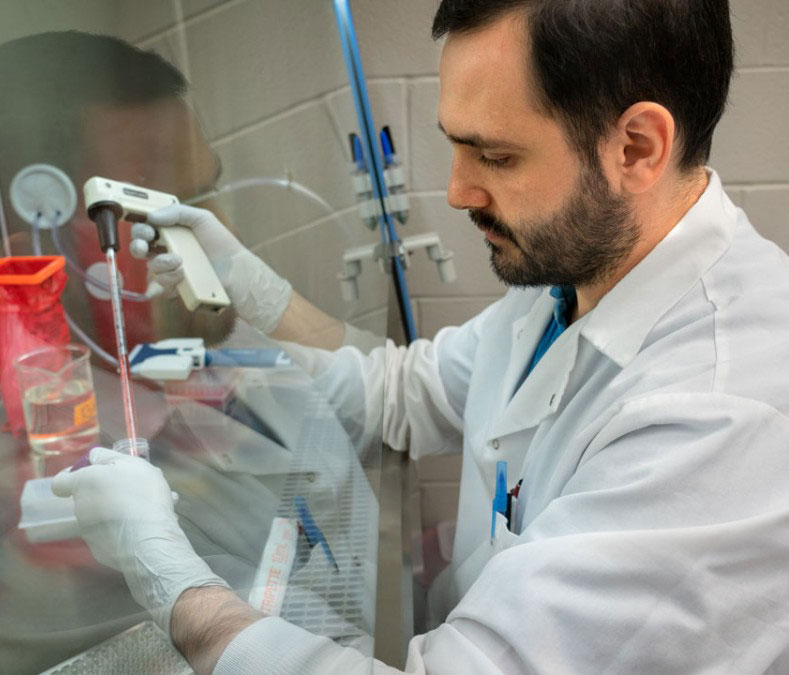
260,429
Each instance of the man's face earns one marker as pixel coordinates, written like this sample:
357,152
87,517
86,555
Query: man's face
157,145
548,217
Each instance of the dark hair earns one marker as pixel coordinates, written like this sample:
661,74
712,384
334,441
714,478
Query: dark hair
593,59
48,79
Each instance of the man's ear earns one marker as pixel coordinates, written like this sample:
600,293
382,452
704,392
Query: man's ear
639,149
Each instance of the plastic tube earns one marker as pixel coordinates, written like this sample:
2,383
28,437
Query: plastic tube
4,229
72,265
109,358
36,235
284,183
137,447
71,323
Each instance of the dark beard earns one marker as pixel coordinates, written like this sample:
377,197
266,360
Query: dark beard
578,246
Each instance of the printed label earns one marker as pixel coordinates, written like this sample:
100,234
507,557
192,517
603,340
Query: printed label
85,412
271,579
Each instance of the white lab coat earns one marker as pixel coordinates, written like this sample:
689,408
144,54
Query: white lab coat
652,530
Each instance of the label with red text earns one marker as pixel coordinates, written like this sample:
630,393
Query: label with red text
271,578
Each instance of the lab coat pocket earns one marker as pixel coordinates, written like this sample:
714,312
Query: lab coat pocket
468,571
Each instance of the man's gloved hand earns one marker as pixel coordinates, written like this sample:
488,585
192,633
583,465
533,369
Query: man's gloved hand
259,295
125,512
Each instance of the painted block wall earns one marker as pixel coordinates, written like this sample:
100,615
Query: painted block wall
750,149
269,85
268,82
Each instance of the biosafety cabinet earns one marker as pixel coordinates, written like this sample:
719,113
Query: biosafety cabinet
244,108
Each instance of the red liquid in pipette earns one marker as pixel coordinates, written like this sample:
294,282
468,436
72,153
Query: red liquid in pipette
123,357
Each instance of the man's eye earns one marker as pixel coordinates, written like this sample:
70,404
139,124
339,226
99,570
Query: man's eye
494,162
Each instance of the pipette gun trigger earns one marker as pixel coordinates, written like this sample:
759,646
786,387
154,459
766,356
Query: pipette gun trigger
109,200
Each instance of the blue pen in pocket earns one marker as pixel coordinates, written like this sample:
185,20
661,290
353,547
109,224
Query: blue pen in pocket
500,497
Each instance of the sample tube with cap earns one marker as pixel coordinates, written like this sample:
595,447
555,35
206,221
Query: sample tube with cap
137,447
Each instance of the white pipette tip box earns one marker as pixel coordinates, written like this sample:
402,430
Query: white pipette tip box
45,516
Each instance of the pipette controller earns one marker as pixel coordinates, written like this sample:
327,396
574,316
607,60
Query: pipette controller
176,358
109,201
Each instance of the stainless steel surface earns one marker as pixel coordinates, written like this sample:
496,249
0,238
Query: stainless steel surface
394,602
143,648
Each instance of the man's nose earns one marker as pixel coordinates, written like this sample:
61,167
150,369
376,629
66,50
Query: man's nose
464,190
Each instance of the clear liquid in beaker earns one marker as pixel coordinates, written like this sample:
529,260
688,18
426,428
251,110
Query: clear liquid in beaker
61,417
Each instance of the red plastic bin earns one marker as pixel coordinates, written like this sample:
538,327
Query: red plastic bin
31,317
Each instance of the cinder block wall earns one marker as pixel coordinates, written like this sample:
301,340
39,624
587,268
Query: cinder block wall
751,146
750,150
268,81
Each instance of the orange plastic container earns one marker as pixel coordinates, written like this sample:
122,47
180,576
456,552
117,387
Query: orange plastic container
29,270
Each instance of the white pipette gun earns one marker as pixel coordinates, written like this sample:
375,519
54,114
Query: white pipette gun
201,288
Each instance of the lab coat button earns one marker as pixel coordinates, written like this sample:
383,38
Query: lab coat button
495,443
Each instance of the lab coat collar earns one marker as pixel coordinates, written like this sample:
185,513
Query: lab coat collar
623,318
541,393
526,333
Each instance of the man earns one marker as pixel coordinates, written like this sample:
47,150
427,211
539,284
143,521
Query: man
640,402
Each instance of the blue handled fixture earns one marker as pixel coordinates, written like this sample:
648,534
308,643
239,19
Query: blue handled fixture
368,140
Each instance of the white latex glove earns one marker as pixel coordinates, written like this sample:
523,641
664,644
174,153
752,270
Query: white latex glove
259,295
125,512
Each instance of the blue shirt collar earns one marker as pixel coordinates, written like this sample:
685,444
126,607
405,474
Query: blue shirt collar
565,303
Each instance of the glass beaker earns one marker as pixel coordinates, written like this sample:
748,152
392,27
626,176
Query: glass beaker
56,385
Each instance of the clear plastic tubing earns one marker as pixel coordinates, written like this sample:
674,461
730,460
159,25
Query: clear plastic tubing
123,357
4,229
93,281
259,181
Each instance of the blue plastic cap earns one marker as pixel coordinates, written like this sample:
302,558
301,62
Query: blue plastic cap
358,154
386,146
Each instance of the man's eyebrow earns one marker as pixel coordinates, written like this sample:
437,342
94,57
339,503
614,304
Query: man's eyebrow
480,142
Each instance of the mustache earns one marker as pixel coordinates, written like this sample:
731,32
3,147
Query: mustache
488,222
